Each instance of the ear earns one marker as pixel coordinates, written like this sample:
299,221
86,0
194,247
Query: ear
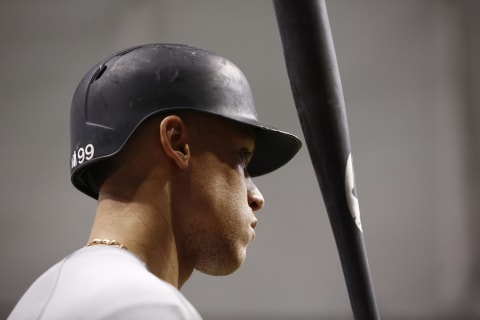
174,137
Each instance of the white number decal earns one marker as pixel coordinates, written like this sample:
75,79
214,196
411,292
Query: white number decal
88,152
81,155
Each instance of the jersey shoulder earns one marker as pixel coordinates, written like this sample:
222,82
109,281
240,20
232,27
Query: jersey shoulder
104,283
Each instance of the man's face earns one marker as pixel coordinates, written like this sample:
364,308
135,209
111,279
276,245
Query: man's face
219,198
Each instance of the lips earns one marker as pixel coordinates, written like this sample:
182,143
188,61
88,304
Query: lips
254,223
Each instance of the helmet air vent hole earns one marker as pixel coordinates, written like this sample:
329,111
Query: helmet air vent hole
100,71
126,51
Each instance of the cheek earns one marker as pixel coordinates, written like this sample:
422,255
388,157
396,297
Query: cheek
229,197
216,199
222,187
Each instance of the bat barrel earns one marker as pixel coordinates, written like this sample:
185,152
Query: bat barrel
317,91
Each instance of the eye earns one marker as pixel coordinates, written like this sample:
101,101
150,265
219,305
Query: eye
245,157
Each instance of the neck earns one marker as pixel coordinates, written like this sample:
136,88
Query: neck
146,230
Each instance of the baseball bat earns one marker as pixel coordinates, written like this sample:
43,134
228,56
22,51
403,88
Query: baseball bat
317,91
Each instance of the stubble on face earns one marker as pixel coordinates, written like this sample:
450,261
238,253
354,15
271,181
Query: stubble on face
213,253
216,227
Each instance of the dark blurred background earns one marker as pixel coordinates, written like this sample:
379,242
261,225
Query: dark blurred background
410,71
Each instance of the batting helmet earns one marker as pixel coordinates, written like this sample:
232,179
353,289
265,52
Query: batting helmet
123,90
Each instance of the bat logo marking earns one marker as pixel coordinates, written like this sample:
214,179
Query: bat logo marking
351,193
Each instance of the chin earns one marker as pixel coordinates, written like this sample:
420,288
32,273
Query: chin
222,266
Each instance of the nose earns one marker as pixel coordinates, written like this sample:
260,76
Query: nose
255,197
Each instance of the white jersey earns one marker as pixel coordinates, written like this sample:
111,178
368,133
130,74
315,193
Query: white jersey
102,282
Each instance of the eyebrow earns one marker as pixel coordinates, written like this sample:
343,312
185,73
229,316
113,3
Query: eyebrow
250,132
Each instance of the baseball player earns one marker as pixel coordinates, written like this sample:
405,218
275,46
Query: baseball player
166,138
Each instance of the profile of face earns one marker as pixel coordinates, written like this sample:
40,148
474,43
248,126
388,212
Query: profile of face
215,209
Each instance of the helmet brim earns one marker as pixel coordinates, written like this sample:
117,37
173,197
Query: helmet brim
273,149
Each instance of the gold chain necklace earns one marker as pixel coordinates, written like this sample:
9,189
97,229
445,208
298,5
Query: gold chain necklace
107,242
